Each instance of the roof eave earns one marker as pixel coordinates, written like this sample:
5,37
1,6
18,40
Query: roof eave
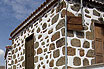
32,14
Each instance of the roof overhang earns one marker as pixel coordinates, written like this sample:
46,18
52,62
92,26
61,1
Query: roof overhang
98,4
36,14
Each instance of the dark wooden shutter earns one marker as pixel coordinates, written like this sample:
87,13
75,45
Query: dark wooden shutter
29,53
74,23
99,39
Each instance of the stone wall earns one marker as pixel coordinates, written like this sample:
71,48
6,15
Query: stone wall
81,43
8,59
49,40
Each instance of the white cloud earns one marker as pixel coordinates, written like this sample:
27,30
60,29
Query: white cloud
1,52
23,8
2,62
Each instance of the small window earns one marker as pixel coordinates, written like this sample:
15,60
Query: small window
74,23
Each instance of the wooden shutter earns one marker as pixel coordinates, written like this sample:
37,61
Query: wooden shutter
99,39
74,23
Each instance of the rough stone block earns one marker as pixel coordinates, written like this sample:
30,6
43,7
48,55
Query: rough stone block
60,61
55,18
52,46
60,42
35,59
86,44
77,61
85,62
90,53
56,53
76,42
51,64
60,24
80,34
55,36
89,35
70,33
82,52
36,45
70,51
44,26
39,50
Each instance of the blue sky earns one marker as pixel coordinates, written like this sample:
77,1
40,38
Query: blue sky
12,13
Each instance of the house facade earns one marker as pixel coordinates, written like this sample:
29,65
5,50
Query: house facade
8,57
39,42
